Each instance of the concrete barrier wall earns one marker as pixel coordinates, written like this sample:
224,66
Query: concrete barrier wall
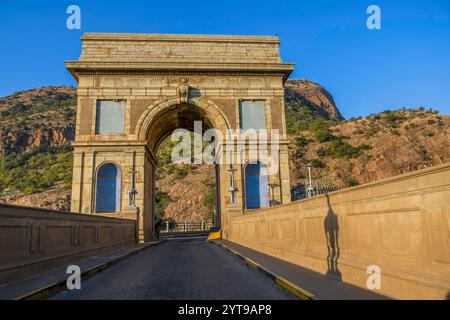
34,240
400,224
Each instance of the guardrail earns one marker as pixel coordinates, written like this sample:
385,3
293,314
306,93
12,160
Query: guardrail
185,226
316,188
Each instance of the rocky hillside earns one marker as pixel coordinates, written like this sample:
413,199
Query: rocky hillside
36,160
34,118
359,150
35,155
312,95
362,150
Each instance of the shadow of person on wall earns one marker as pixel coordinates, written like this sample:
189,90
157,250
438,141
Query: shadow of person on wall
331,226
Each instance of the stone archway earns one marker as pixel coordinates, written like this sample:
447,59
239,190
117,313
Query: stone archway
163,117
130,88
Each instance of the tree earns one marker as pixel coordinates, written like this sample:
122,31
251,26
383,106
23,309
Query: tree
210,200
2,188
210,203
162,200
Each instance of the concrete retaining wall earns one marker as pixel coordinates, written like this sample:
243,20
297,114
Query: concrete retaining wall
400,224
34,240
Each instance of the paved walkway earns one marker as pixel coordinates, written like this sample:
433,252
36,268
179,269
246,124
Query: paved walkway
51,280
179,268
321,286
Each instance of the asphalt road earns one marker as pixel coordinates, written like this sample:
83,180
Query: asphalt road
180,268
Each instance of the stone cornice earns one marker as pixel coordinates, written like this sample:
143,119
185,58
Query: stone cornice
77,68
178,38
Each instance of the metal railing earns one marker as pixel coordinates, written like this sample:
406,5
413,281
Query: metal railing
318,186
168,226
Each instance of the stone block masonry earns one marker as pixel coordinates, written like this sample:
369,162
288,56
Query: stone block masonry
401,224
33,240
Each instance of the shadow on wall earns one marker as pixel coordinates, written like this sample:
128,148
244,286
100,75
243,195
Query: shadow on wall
331,226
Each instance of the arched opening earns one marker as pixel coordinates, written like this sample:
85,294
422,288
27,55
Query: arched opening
186,195
176,116
256,186
108,186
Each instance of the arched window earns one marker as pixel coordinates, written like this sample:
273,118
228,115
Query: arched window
256,186
108,188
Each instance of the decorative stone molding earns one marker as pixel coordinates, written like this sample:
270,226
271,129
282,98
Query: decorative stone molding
183,90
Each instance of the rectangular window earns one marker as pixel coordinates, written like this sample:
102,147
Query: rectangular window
110,117
252,115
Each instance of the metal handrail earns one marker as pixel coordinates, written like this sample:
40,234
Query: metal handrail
186,226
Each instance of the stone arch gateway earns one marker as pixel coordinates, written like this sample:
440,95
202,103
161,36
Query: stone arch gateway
133,89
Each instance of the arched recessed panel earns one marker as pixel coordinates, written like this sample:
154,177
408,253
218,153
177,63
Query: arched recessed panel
256,186
108,188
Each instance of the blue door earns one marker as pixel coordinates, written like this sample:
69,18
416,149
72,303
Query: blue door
256,186
108,189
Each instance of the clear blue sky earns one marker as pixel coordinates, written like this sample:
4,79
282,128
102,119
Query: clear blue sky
405,64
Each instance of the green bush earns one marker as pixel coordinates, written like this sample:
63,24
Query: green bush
390,119
317,163
301,141
37,169
61,103
341,149
299,116
351,182
210,198
2,188
210,203
375,116
323,135
162,200
181,171
321,130
322,152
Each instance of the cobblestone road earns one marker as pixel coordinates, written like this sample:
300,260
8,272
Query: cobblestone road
182,268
